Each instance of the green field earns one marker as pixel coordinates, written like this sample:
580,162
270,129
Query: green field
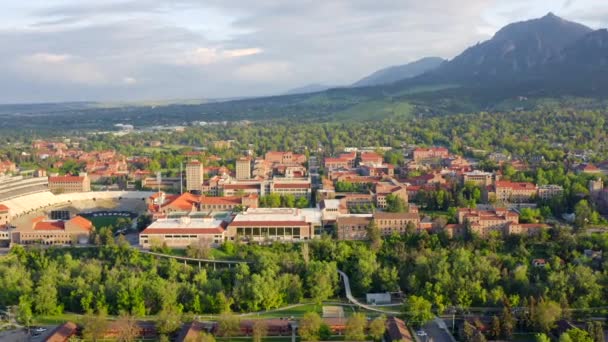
104,221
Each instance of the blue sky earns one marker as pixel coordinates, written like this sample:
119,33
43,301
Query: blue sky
117,50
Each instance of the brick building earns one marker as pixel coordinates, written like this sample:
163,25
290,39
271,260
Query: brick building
429,153
51,232
67,184
484,222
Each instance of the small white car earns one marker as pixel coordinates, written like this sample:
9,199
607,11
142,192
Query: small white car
40,329
421,333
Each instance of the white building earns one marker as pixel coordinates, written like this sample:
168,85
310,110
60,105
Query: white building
182,232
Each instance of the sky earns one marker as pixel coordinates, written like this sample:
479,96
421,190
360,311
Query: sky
134,50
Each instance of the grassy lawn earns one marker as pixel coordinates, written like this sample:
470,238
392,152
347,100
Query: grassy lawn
291,312
219,254
57,319
104,221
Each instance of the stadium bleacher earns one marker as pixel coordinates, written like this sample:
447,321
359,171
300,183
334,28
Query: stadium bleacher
40,200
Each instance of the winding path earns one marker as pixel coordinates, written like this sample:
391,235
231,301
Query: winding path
354,300
207,261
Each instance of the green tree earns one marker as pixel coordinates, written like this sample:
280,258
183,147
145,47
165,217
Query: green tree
260,330
325,332
418,310
45,297
374,235
377,328
309,326
94,326
24,311
582,212
540,337
355,327
578,335
321,279
507,322
598,332
395,204
168,320
546,314
229,325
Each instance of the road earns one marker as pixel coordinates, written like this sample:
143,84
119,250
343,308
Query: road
436,329
354,300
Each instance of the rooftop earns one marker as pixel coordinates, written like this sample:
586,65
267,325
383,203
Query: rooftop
307,215
185,223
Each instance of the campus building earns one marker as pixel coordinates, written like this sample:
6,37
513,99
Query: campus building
354,227
478,178
280,224
67,184
52,232
546,192
243,168
429,153
194,176
182,232
510,192
162,205
5,215
484,222
277,157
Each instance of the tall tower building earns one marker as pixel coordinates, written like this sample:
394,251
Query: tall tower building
194,176
243,168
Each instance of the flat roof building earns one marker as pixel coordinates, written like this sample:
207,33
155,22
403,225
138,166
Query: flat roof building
281,224
182,232
194,176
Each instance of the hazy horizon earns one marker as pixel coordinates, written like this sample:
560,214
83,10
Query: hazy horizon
147,50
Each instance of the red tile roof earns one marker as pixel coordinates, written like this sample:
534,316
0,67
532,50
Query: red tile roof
66,179
220,200
183,201
63,332
49,225
397,330
3,208
82,222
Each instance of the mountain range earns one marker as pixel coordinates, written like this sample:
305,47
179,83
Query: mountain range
543,57
383,76
396,73
533,60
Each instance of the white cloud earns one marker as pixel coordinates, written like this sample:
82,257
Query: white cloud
263,71
129,80
49,67
69,49
204,56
